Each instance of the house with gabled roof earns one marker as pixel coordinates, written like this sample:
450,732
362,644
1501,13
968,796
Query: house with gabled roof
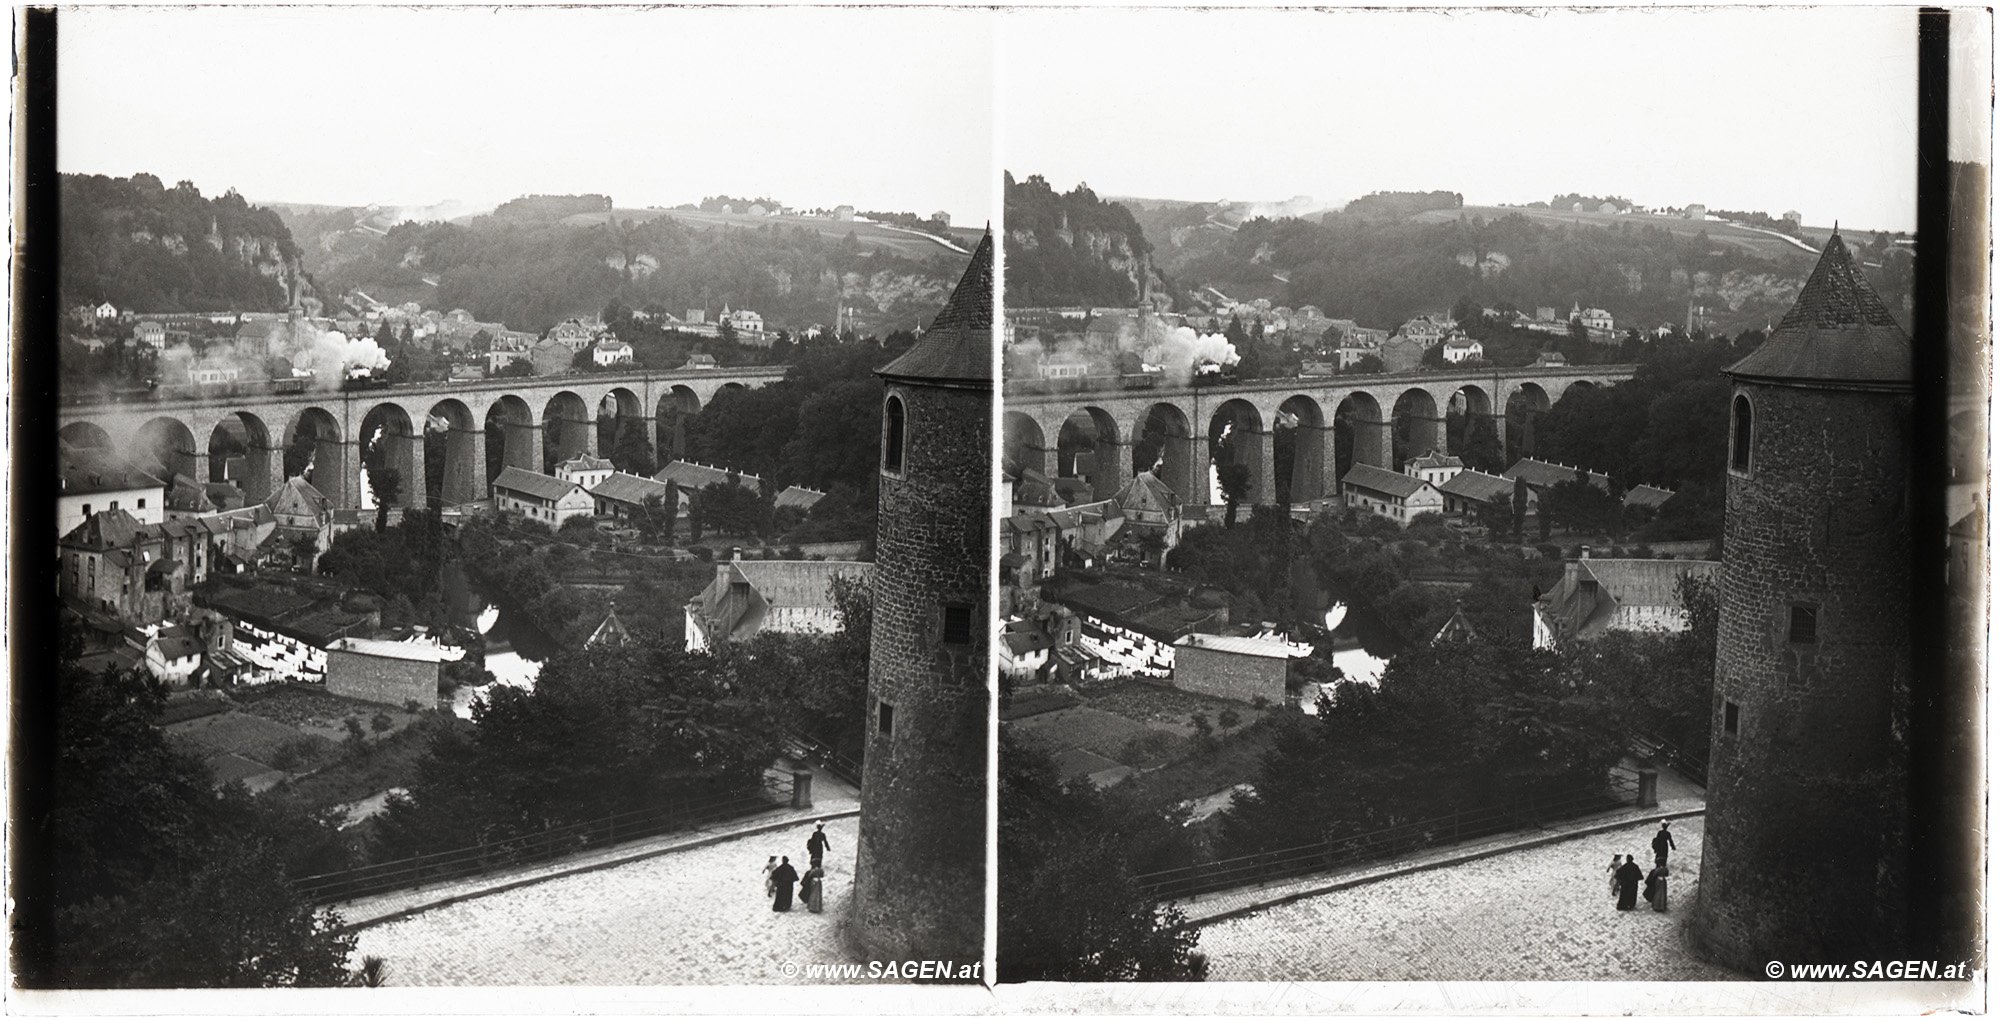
750,597
1470,489
539,497
620,496
1599,595
1540,475
1388,494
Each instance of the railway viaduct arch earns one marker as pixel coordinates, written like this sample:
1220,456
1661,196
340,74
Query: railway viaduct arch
1046,424
538,418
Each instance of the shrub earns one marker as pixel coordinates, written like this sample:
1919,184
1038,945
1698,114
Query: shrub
301,753
1228,718
381,723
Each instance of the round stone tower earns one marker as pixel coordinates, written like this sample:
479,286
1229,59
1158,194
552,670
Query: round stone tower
1804,857
919,882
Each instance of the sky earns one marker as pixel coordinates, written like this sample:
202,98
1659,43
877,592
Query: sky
1808,109
886,110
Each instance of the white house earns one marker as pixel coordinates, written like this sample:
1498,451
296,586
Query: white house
539,497
107,311
611,351
173,655
1388,494
586,470
1462,348
1434,467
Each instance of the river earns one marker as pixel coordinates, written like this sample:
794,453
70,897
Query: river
515,647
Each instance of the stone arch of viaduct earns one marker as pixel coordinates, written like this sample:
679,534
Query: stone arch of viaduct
1372,406
561,409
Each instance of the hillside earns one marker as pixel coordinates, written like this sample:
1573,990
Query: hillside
1074,249
141,245
535,261
1643,269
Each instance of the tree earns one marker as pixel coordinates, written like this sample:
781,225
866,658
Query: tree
1234,479
387,484
631,453
160,882
1070,909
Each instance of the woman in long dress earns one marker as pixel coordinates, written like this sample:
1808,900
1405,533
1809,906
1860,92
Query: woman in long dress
813,889
1656,888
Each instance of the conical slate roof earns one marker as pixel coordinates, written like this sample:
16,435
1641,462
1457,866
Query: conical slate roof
1838,334
958,348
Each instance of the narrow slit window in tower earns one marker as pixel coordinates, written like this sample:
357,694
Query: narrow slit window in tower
885,719
1805,624
1729,717
1741,422
892,435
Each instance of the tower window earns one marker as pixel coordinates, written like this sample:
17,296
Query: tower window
957,624
1729,717
1805,625
892,434
885,719
1741,421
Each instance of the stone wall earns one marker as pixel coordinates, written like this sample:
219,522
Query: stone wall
1806,832
920,877
382,679
1231,675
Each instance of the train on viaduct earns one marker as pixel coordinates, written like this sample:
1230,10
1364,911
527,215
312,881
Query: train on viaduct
1173,429
537,420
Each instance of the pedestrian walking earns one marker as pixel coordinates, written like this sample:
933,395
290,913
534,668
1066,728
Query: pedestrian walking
781,883
816,845
1656,888
1663,842
812,889
1611,873
1629,875
770,866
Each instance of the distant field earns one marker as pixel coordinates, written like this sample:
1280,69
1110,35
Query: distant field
907,245
1762,245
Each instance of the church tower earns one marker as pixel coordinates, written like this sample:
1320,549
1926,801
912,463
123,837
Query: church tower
919,883
1804,857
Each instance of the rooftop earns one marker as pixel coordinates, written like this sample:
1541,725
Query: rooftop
632,489
695,475
535,484
1545,473
1241,646
1382,480
1838,333
1473,484
957,350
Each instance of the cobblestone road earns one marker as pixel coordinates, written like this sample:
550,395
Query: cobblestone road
1543,914
691,917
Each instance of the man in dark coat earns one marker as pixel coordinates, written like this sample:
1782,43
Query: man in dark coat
816,845
1629,875
1662,843
781,882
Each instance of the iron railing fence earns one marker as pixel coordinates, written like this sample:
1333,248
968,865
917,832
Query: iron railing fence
1621,787
773,791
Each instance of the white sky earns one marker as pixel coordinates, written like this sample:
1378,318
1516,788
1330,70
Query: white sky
883,109
1806,109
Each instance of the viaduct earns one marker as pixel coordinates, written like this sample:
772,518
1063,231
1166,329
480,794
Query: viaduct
1045,418
179,432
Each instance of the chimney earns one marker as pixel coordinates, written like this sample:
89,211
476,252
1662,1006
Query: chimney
735,552
1585,555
